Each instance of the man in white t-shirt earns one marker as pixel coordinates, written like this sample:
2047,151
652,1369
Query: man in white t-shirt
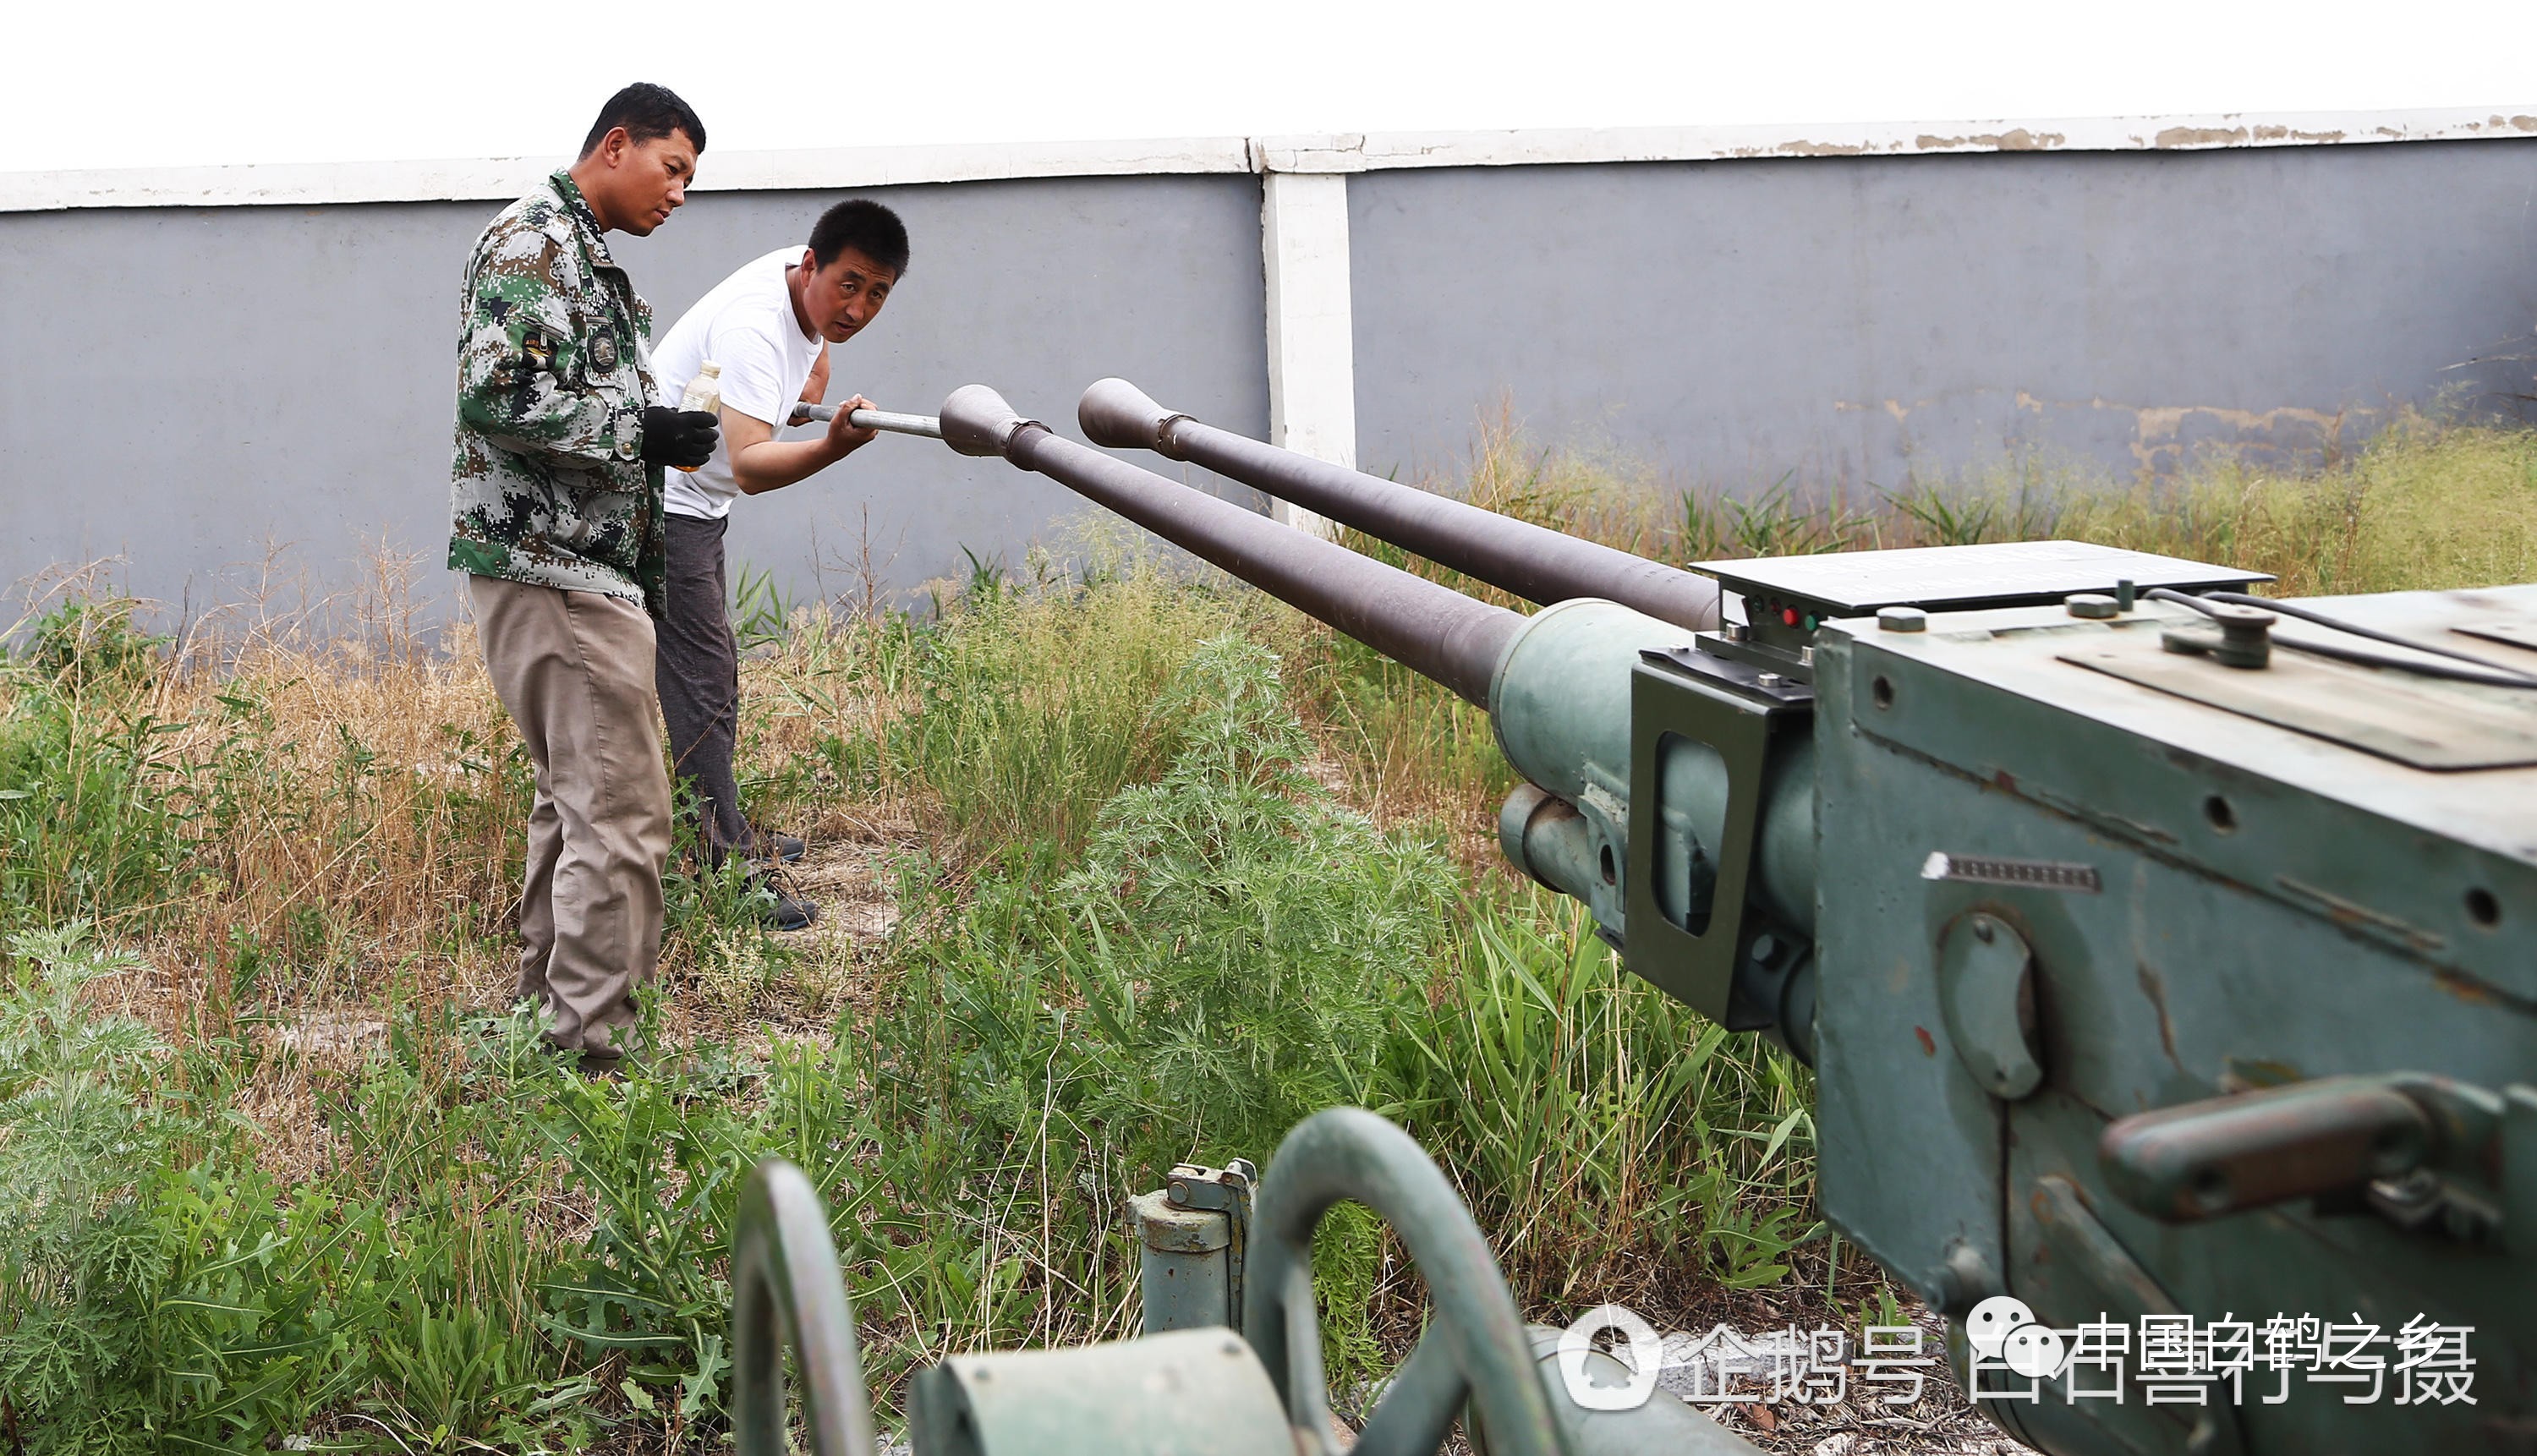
768,328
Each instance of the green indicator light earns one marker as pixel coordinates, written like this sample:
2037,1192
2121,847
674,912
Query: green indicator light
1810,624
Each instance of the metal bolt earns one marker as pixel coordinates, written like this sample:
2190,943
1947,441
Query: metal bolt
1769,680
1982,929
1737,632
1764,947
2092,605
2245,636
1902,619
1807,655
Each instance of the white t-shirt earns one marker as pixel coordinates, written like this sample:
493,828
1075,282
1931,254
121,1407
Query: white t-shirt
747,326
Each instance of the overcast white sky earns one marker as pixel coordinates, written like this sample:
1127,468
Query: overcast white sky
142,83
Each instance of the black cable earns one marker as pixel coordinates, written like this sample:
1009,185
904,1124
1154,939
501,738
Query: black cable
2492,678
2382,660
2310,614
2169,593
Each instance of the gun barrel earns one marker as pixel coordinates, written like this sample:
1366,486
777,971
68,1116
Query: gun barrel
1532,561
1431,629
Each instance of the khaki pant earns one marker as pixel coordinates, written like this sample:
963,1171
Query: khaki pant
575,670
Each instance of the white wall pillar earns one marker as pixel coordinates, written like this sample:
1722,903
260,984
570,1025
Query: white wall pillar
1312,342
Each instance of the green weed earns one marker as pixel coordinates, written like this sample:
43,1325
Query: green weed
1175,868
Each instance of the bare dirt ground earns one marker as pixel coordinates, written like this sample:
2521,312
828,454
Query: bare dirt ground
1941,1422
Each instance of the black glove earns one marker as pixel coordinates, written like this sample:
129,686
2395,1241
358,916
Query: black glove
684,438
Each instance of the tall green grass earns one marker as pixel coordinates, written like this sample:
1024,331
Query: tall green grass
1605,1131
1173,867
86,769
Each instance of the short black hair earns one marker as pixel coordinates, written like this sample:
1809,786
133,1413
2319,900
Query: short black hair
648,113
865,226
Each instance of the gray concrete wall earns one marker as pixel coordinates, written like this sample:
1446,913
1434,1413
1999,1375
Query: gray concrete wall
184,387
1860,320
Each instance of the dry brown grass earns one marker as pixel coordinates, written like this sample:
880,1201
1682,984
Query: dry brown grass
353,795
367,791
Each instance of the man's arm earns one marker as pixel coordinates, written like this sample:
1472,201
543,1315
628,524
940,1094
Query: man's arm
519,352
815,388
760,462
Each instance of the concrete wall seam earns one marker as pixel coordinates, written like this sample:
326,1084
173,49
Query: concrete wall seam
1312,334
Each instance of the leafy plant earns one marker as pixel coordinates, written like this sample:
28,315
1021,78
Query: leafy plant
759,614
1772,523
81,1163
91,644
1945,519
85,826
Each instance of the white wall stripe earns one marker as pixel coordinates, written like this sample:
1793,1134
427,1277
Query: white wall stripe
1381,152
501,178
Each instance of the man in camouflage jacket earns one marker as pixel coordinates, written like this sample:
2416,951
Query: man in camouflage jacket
549,483
556,506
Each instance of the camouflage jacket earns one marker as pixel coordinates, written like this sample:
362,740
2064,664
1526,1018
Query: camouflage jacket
554,374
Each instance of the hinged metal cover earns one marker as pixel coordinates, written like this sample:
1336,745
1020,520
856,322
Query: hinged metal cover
1717,703
2025,573
2423,722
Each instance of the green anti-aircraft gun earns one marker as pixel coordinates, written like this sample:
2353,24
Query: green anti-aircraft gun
2161,951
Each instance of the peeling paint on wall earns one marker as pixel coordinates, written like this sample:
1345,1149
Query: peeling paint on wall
1803,148
2159,442
2291,134
2200,135
2015,138
2162,438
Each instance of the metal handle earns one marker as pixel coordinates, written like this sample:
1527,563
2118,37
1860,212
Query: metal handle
1477,1348
2206,1159
886,420
787,1290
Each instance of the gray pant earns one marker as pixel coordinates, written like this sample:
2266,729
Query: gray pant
571,669
698,667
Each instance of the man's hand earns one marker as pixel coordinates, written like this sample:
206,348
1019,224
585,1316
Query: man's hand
679,438
760,462
844,438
